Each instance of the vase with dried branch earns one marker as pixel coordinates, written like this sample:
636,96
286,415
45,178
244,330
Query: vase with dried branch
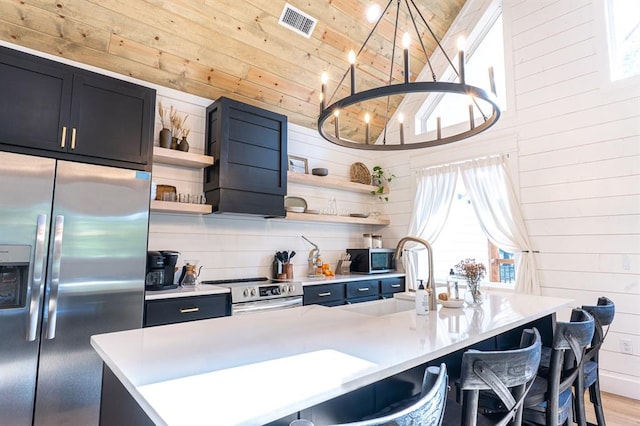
183,145
165,133
177,127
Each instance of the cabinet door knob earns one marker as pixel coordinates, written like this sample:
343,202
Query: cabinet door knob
189,310
73,138
64,136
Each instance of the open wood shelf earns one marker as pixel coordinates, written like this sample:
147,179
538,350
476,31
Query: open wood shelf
180,158
175,207
307,217
330,182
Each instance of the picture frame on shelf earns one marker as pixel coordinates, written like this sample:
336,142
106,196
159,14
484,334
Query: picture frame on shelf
298,164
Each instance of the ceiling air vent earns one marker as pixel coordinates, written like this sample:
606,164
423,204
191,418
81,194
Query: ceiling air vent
297,20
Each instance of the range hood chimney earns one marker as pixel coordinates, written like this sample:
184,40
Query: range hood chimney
249,145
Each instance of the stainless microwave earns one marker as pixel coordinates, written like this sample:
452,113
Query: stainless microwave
372,260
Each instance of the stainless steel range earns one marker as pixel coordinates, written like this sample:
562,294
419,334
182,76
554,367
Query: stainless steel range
251,295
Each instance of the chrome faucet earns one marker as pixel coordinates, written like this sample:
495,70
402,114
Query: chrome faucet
431,285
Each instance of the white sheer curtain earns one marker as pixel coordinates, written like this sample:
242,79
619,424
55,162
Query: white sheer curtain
434,193
494,200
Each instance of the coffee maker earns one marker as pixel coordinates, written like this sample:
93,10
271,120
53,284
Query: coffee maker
170,260
154,280
160,270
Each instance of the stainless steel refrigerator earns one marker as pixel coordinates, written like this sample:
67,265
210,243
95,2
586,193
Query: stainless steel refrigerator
73,241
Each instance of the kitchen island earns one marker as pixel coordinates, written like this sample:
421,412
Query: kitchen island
259,368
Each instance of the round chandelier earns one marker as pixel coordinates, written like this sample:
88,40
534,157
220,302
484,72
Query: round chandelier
360,119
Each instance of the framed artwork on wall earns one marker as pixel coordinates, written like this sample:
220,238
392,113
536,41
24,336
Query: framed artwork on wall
298,164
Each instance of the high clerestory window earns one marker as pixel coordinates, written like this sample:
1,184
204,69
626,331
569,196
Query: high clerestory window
486,50
623,25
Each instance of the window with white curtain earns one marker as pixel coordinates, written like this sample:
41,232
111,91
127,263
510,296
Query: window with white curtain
494,200
462,238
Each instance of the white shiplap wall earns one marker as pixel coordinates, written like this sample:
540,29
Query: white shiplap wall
574,143
235,246
579,151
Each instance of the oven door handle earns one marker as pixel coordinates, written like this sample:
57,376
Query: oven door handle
265,305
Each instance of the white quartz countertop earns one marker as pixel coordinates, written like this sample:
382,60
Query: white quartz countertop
257,368
346,278
197,290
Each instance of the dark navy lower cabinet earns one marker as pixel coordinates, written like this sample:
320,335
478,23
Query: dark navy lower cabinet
365,290
362,291
183,309
389,286
324,294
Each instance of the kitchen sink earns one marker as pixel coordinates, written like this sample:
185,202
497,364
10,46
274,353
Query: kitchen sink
380,308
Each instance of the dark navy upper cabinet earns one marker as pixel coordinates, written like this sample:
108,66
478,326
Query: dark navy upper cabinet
52,109
35,103
249,145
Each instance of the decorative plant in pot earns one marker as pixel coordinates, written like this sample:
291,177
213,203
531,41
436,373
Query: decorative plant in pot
473,272
380,178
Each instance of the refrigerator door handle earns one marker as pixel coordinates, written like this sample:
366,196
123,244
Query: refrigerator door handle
37,283
52,303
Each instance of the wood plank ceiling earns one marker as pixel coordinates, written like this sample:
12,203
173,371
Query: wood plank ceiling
232,48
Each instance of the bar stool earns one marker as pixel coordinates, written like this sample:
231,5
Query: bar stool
505,377
428,410
550,400
603,314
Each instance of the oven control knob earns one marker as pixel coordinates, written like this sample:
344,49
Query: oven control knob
283,289
292,288
245,293
253,292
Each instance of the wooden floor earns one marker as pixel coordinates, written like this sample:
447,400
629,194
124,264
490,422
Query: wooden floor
618,410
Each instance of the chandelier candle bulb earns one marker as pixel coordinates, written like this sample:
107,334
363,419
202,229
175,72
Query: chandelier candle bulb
323,93
406,41
401,121
367,118
471,118
438,128
461,47
336,114
352,66
492,81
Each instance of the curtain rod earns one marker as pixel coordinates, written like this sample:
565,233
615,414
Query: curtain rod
455,163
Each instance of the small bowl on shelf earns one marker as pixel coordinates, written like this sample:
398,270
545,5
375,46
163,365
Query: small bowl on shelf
451,303
294,209
320,171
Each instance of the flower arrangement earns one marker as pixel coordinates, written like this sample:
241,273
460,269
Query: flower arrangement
473,272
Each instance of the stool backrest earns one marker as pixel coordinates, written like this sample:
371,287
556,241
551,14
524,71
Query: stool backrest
570,340
427,411
508,374
603,314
